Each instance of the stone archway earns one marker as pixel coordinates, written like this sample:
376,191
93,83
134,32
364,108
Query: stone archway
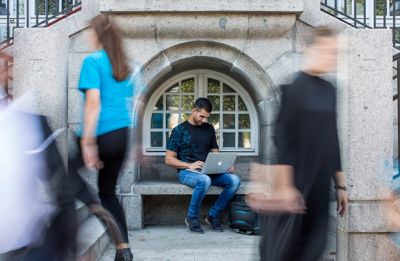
224,59
221,58
210,55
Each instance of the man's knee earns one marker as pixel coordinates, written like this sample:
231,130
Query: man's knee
204,181
235,181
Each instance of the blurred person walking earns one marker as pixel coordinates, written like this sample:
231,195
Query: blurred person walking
106,83
308,158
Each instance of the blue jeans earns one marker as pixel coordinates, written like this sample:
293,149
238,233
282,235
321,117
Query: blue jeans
201,183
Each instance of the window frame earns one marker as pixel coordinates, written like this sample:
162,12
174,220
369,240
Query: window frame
200,90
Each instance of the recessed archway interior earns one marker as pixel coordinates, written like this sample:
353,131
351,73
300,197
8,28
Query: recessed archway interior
246,139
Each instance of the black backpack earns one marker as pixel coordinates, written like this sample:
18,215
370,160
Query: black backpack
242,218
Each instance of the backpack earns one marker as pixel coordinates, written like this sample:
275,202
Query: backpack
242,218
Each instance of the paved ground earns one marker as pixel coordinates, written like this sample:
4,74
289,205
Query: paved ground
175,243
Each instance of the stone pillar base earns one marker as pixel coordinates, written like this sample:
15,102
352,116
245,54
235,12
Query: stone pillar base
133,206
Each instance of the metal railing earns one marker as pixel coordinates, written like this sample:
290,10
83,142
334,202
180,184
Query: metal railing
396,78
28,13
372,14
32,13
7,61
367,14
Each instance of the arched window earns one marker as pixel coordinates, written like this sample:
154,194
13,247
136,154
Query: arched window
233,116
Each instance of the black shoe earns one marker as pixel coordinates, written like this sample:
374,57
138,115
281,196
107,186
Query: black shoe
123,255
215,223
194,225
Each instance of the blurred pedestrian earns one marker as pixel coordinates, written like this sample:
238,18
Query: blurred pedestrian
308,158
106,82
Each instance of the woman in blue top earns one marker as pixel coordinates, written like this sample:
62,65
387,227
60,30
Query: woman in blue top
105,80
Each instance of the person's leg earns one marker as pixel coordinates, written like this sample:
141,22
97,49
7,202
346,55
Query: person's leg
112,147
60,238
316,220
230,183
107,181
73,185
200,184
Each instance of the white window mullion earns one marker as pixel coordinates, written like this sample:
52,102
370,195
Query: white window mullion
202,85
164,114
179,102
236,121
221,118
60,7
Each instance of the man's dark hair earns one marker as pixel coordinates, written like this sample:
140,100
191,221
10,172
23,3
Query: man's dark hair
203,103
321,32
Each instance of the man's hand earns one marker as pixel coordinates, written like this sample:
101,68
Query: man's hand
231,169
342,201
196,165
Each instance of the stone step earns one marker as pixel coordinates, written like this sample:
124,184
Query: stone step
82,211
92,238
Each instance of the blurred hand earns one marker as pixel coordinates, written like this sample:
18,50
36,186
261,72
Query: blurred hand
271,190
342,201
196,165
292,201
91,156
288,200
231,169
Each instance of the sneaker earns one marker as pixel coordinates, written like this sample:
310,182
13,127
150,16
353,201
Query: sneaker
215,223
194,225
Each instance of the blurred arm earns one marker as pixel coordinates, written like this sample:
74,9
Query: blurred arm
284,177
91,115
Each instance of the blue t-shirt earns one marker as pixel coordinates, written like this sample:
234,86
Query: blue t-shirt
115,97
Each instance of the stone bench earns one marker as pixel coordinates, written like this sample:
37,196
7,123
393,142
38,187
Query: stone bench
148,188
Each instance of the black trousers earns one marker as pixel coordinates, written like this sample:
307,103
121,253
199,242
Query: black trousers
112,148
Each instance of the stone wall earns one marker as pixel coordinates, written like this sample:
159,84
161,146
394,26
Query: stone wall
167,46
258,43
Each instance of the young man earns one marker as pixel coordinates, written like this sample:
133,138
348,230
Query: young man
187,148
308,158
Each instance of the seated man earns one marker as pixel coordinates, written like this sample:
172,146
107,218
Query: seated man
187,148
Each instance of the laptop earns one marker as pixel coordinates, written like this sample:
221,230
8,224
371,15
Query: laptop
217,163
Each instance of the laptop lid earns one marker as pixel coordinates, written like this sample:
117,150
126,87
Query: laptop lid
218,162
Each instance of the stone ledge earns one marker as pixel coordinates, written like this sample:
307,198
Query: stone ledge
167,27
174,188
269,6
